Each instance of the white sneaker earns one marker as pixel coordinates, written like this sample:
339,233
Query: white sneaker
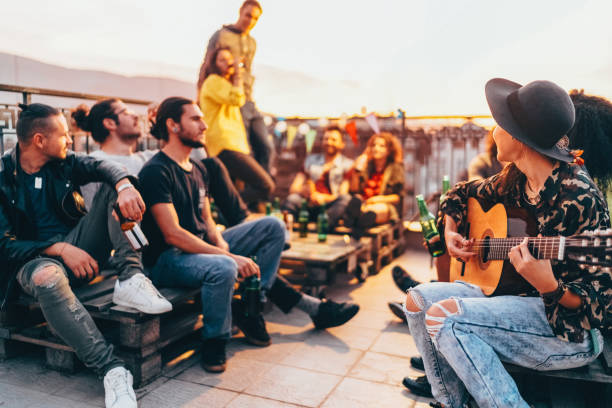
118,389
138,292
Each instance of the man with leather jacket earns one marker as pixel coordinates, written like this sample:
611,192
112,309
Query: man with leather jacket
48,243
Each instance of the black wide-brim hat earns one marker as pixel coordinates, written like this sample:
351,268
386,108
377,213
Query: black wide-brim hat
538,114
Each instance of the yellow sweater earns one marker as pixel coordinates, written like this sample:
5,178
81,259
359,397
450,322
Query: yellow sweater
220,102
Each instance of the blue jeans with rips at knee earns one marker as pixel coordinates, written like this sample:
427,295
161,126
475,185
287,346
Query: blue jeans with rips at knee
466,354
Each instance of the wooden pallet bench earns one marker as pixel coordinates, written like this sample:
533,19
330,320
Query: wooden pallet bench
314,264
145,342
589,386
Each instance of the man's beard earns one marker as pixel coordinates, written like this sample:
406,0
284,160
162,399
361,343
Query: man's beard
190,142
130,137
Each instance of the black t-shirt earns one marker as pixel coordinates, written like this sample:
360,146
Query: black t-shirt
164,181
48,224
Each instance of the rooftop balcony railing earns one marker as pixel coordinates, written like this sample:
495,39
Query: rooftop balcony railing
433,146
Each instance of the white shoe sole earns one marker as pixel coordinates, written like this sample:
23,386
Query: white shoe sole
141,309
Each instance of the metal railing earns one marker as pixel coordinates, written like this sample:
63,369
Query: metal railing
433,146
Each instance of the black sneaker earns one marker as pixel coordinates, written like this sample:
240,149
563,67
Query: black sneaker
398,310
418,386
402,279
213,355
417,362
332,314
253,327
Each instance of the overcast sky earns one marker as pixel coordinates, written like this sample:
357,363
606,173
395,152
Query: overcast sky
428,57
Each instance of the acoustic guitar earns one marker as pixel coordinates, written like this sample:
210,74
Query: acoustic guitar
496,229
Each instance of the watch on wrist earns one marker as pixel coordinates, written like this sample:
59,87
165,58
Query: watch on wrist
552,298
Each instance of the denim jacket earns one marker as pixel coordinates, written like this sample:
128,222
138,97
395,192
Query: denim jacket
313,167
18,242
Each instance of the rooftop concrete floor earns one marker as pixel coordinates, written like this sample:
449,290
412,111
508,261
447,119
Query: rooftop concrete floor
360,364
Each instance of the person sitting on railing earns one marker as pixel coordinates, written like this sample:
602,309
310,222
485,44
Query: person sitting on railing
324,181
220,98
48,242
188,250
378,179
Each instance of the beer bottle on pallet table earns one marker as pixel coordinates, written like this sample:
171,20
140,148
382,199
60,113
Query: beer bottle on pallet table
428,226
303,217
322,224
276,211
268,208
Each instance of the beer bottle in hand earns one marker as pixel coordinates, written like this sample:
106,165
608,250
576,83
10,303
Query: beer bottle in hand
428,226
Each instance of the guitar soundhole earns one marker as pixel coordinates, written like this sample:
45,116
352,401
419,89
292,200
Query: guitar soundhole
484,251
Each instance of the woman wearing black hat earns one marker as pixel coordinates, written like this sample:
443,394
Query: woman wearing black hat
463,335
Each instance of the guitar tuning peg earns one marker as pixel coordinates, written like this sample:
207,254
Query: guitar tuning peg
583,266
582,258
607,269
592,269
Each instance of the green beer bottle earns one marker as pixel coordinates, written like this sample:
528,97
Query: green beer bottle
322,224
445,187
276,212
428,226
268,209
303,217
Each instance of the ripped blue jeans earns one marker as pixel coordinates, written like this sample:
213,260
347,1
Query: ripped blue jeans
464,342
47,280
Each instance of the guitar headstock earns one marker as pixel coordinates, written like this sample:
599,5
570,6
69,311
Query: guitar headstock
591,248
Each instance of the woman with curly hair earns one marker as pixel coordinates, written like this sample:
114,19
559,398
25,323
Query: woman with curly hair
378,178
592,132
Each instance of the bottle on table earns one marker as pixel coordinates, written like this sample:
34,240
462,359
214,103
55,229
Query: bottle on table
303,218
322,224
276,211
268,208
428,226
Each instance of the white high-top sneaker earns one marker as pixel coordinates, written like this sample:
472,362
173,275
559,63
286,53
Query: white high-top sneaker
138,292
118,389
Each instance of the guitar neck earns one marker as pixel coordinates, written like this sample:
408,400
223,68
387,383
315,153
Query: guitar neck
540,247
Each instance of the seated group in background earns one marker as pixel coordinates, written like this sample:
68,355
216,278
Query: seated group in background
220,98
323,181
361,193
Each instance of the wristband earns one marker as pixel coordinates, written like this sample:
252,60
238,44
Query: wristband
124,187
552,298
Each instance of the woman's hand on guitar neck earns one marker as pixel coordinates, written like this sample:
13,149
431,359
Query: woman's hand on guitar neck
538,272
457,246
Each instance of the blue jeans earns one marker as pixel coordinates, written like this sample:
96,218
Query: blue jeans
466,354
217,274
336,209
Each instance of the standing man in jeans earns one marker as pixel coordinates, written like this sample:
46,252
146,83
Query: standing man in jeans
188,250
48,243
237,38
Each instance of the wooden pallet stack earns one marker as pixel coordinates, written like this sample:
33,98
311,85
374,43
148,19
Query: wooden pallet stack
145,342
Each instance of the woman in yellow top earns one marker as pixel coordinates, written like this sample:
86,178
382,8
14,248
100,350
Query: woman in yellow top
220,98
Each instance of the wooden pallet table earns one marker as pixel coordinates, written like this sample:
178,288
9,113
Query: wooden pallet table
318,262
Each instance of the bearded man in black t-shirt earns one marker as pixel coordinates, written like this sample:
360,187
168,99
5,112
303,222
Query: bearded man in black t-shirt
188,250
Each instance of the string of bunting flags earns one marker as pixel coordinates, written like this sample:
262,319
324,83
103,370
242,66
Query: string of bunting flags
308,128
